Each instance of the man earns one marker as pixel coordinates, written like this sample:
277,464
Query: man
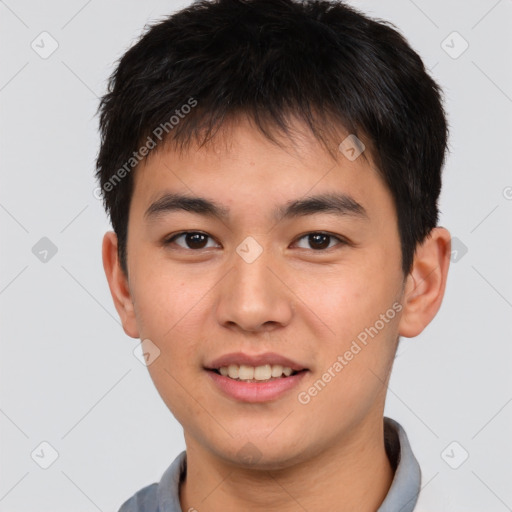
272,169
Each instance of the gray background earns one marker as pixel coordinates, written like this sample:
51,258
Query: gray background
68,373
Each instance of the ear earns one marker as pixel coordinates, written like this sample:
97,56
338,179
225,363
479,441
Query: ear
425,284
118,284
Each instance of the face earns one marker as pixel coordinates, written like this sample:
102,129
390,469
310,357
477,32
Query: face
259,273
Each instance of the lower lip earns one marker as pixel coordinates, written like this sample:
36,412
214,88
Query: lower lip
256,391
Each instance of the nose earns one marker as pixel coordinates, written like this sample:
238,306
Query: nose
254,296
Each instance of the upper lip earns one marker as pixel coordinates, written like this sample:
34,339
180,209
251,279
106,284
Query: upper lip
254,360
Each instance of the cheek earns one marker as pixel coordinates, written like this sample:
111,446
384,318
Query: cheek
357,306
168,310
347,300
165,297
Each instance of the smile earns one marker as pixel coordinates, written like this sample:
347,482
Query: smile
255,374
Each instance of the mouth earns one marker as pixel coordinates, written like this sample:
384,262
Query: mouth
255,378
255,368
263,373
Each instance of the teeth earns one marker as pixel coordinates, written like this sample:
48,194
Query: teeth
277,370
233,371
263,372
245,372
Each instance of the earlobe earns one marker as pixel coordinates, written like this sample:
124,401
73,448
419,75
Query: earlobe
425,285
118,284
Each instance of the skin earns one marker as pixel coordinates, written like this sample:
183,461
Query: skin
304,303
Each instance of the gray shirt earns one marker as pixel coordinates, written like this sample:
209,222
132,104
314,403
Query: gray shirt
402,495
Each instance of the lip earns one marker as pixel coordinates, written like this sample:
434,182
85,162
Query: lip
254,360
255,391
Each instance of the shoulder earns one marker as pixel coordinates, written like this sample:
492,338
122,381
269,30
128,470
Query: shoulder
144,500
162,496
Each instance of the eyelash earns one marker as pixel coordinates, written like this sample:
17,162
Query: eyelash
341,241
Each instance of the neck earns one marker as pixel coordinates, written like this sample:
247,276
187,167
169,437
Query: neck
353,474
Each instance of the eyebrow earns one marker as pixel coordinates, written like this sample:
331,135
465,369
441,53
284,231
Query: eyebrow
333,203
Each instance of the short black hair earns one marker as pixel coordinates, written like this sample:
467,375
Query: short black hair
322,62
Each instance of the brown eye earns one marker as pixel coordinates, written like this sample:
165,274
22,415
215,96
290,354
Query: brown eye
190,240
320,241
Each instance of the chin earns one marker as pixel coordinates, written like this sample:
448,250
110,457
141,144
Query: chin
258,452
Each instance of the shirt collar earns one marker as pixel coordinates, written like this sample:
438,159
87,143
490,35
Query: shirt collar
405,488
402,495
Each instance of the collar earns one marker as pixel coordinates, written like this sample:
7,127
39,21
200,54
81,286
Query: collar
405,488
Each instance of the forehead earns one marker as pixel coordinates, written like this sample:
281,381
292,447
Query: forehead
242,168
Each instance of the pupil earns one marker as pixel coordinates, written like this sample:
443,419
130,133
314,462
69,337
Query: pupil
319,241
196,240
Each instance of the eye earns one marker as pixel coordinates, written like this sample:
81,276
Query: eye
319,241
191,240
196,240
